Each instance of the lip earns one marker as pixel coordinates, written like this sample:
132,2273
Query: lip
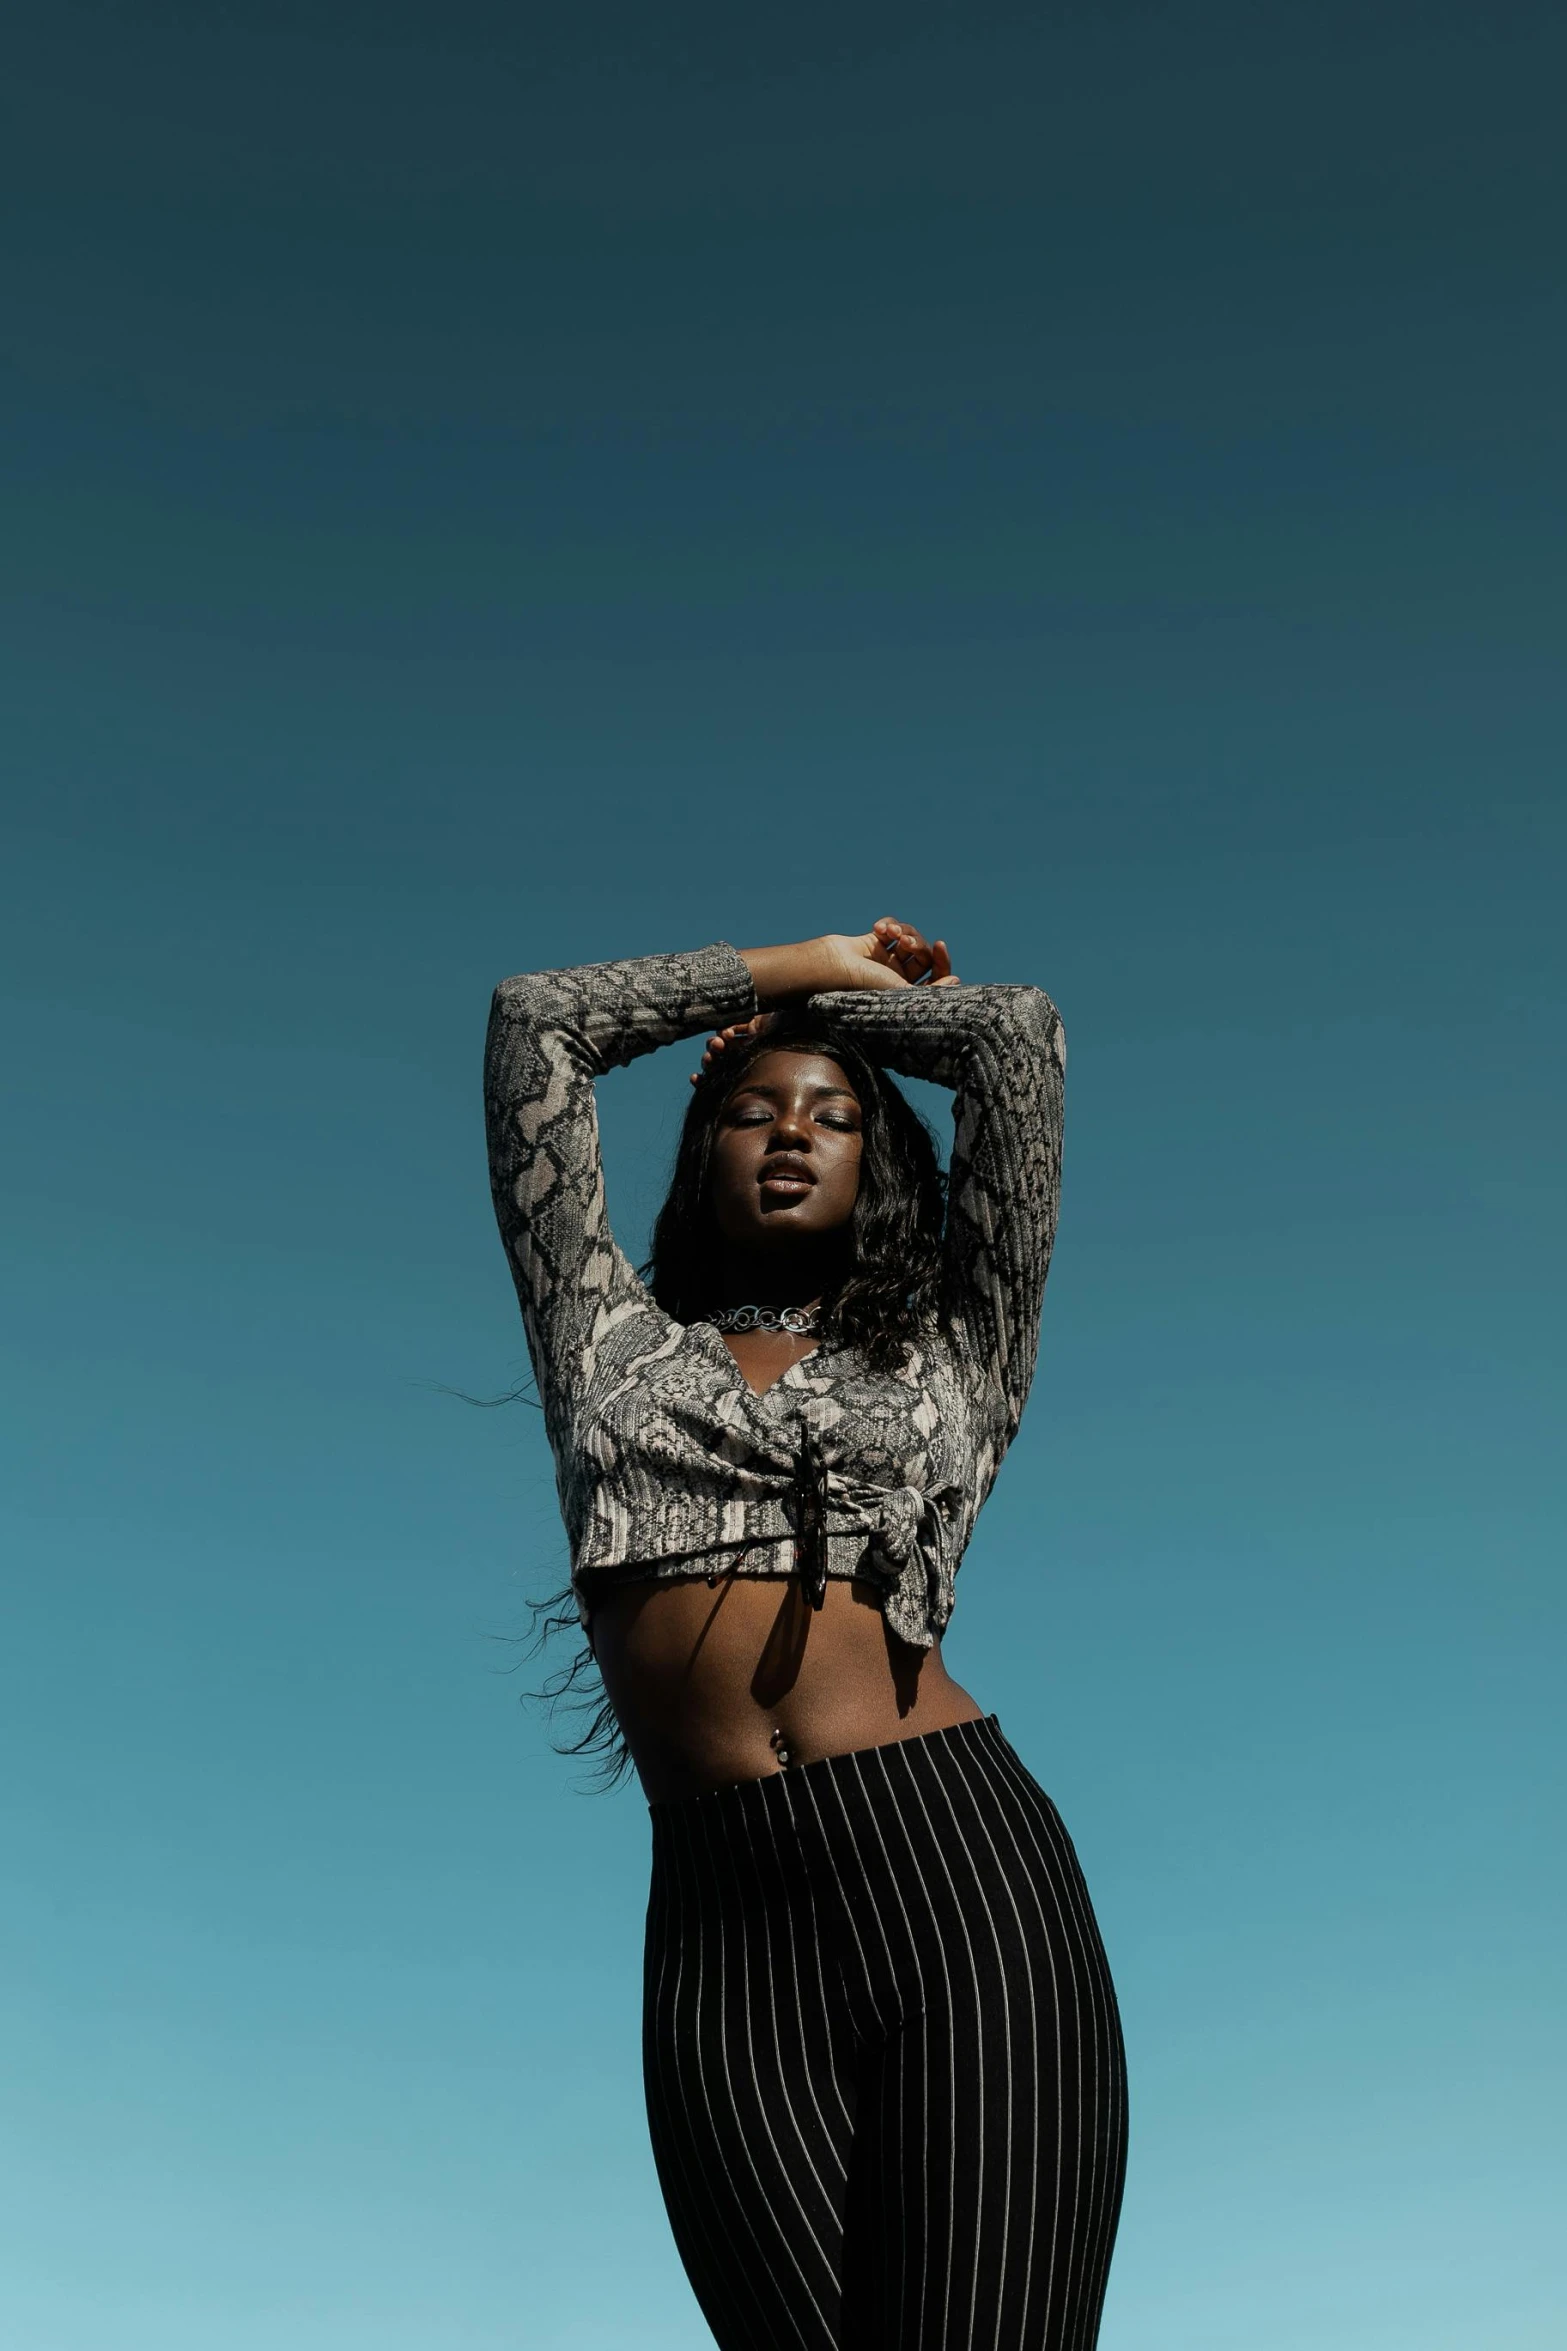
786,1175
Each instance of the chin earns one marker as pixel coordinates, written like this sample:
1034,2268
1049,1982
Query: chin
780,1228
783,1226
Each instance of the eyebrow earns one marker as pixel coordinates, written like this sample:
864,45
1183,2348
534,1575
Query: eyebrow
760,1086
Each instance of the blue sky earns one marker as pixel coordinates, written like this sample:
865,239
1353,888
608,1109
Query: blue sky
487,495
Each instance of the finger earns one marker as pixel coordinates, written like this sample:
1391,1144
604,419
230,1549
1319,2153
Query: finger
940,961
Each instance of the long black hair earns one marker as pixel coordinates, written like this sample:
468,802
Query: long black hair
890,1285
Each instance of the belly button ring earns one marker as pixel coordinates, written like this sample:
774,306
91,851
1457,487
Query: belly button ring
780,1751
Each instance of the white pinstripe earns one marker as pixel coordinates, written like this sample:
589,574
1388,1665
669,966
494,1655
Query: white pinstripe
806,1790
1098,1975
1032,2071
925,2035
1060,2072
763,2202
828,2261
759,2203
852,1910
1027,1795
1098,2018
879,1755
908,1845
714,2267
823,2137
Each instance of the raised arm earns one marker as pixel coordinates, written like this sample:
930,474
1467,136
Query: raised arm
1002,1050
551,1034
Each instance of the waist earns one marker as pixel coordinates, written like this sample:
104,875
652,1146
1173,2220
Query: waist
719,1682
953,1751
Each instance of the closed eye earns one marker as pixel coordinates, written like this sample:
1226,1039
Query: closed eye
759,1118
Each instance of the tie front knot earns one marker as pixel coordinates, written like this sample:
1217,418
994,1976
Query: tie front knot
905,1527
907,1521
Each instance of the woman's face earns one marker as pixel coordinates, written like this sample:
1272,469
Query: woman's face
786,1152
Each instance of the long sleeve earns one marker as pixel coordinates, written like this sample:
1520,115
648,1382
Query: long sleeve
551,1034
1002,1051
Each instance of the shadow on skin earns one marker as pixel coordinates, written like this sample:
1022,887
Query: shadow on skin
905,1664
783,1653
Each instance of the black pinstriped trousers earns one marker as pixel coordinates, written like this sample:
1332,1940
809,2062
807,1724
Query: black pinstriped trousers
885,2076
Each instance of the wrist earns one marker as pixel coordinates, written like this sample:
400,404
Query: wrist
782,975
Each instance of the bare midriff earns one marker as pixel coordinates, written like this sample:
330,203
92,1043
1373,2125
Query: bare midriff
732,1680
727,1677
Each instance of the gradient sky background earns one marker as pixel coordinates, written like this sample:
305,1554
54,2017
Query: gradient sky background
490,492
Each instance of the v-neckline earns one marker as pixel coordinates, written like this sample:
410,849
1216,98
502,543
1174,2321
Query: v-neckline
757,1395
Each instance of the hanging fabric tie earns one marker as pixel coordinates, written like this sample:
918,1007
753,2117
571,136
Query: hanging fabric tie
901,1525
810,1517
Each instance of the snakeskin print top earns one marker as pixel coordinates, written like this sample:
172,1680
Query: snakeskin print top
666,1463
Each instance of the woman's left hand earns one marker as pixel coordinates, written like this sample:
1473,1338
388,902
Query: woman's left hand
891,954
909,953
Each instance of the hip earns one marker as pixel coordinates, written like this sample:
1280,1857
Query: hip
921,1873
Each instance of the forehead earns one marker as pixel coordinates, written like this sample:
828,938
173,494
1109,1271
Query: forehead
782,1072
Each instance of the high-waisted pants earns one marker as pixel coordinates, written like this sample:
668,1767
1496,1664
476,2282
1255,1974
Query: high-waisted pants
885,2076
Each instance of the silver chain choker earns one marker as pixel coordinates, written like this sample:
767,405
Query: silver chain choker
800,1321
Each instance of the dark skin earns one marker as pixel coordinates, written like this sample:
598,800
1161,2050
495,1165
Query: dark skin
713,1679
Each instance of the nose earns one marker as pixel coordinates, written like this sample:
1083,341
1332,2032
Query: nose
791,1128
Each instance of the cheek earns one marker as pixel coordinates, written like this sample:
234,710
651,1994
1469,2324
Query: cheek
846,1181
728,1150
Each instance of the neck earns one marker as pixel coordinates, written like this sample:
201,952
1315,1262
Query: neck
800,1276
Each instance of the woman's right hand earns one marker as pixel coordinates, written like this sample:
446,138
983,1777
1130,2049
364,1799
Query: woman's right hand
716,1045
891,954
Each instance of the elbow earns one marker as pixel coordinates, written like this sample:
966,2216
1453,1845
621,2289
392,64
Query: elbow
1027,1025
527,1004
518,998
518,1019
506,1013
534,1027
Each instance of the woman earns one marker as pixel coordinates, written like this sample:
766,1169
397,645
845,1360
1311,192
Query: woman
884,2069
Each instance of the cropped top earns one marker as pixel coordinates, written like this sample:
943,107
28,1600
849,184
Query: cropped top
666,1462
